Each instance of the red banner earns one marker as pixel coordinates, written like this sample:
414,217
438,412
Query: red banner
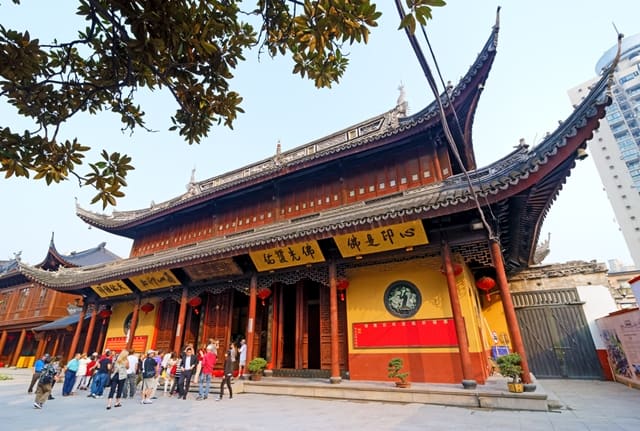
117,344
405,333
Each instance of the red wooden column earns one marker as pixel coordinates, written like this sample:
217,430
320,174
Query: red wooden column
3,340
134,323
40,348
278,325
16,354
92,325
468,381
333,320
56,344
509,310
301,329
76,335
251,322
436,166
177,343
102,335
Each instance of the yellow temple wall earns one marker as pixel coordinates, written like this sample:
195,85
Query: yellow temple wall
116,338
433,363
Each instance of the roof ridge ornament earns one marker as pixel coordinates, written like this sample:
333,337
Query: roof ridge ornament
277,159
192,186
402,106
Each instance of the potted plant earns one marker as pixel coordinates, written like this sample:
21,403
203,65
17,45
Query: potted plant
256,367
509,366
393,369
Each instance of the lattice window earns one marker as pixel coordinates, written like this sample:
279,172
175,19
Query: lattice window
4,300
22,301
43,296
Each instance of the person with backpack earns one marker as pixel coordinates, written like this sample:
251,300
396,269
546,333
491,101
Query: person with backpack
149,374
48,375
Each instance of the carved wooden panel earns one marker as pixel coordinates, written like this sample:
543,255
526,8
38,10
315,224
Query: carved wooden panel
167,324
217,323
217,268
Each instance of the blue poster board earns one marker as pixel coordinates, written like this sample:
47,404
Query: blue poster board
497,351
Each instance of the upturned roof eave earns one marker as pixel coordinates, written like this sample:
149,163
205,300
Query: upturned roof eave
465,92
496,182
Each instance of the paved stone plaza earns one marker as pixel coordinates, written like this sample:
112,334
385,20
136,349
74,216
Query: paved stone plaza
586,405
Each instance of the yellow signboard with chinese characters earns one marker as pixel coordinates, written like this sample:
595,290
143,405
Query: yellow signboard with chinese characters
113,288
303,253
155,280
382,239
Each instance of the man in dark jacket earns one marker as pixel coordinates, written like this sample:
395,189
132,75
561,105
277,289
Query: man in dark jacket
188,362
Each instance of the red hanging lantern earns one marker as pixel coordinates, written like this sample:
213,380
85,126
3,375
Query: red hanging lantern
485,284
105,313
342,284
457,269
147,308
195,302
264,293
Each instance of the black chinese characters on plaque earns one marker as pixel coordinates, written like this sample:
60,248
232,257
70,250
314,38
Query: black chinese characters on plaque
402,299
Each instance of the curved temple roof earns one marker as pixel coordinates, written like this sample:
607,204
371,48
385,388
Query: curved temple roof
11,271
517,176
518,190
359,137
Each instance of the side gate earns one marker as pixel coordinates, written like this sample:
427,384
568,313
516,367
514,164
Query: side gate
556,335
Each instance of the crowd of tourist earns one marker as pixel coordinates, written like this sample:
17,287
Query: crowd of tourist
127,373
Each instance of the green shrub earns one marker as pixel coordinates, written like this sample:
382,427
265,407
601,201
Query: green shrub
257,365
509,366
393,369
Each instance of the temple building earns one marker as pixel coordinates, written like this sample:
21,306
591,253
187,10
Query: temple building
382,240
35,319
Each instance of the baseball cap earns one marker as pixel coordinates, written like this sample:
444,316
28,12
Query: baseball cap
150,351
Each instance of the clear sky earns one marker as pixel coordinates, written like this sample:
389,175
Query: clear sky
545,48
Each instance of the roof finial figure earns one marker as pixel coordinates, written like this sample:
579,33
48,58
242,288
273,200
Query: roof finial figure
17,256
276,158
192,189
542,250
401,103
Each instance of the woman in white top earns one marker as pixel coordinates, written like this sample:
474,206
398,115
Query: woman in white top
118,377
82,372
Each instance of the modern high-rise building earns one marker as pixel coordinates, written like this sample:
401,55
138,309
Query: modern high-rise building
616,145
